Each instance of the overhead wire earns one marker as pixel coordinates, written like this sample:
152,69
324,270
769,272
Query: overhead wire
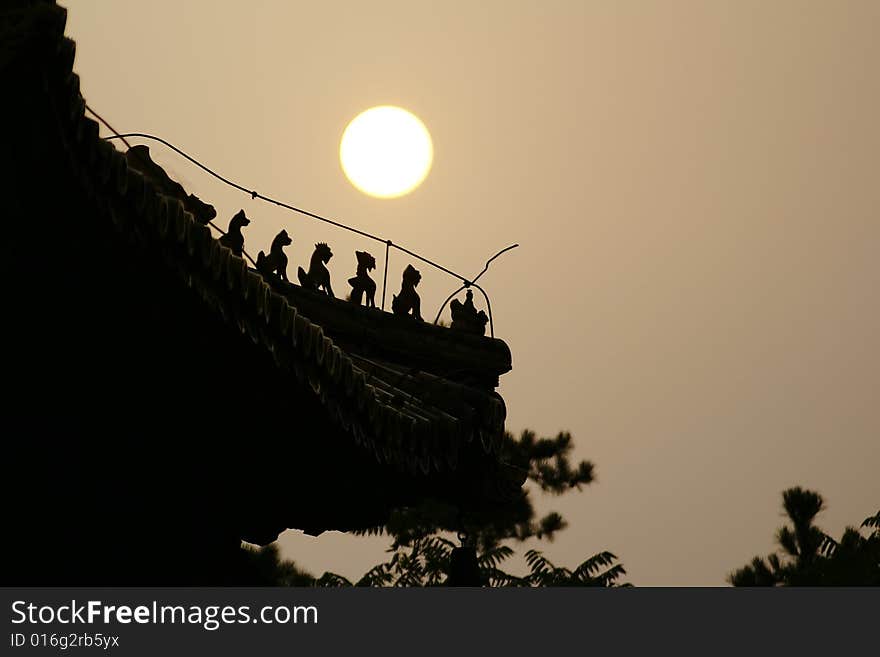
256,195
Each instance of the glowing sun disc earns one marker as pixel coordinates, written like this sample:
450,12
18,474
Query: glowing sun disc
386,151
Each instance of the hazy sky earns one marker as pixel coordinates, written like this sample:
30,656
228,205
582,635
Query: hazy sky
695,186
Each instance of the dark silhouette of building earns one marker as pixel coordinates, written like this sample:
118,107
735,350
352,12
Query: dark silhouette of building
162,400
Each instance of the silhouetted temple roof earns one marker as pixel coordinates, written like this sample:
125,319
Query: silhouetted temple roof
413,396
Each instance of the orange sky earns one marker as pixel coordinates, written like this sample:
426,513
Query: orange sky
694,185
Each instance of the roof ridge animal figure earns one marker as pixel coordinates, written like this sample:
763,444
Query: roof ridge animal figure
408,299
465,316
233,239
275,264
318,275
138,157
362,283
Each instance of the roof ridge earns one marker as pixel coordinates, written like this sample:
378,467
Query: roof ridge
150,212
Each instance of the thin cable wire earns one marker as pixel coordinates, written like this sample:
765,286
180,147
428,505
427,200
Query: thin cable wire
125,141
489,261
108,126
252,193
385,277
256,195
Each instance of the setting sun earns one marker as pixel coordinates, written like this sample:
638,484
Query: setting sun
386,152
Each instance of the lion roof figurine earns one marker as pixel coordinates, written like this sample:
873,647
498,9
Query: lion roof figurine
233,239
318,275
275,264
362,284
408,299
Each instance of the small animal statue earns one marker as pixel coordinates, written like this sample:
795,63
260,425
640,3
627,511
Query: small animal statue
362,283
465,316
275,264
408,299
233,239
318,275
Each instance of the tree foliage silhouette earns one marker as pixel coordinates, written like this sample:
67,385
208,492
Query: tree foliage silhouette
810,557
547,462
264,566
421,547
